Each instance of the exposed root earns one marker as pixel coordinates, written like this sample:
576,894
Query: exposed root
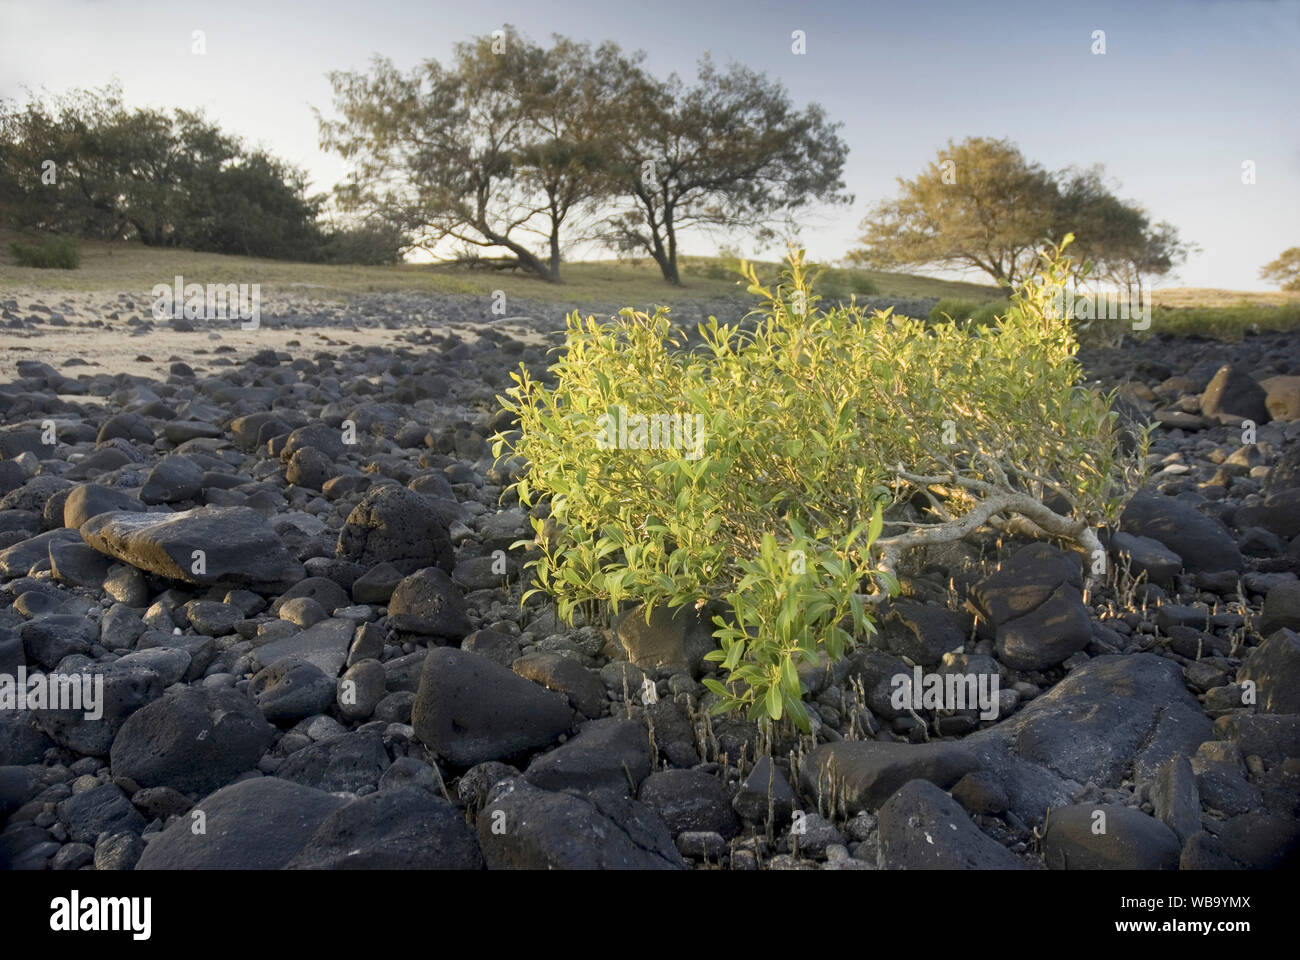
997,500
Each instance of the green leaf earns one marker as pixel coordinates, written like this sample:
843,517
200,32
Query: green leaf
716,687
774,702
733,655
790,679
799,714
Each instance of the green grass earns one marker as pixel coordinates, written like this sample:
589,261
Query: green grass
134,267
1223,322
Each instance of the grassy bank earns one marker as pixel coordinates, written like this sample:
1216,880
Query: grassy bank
134,267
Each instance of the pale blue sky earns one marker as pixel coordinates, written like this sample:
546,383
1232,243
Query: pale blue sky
1187,90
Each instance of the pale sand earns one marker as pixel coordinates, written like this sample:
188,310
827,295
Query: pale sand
113,349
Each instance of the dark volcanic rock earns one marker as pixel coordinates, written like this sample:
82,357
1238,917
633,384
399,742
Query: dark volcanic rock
1035,606
254,430
1274,668
1175,799
1203,544
398,526
583,687
316,435
428,603
324,591
51,638
1281,609
91,499
690,800
34,494
922,828
766,786
256,824
18,784
100,809
500,648
1113,718
469,709
18,560
1252,841
237,544
524,827
339,764
289,690
1089,836
308,467
674,641
1234,394
127,687
610,756
175,478
377,584
866,773
324,644
193,740
1285,474
360,689
1278,513
1145,555
921,632
78,564
403,829
127,426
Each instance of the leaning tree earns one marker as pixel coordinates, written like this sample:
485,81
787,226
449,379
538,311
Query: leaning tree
500,149
729,152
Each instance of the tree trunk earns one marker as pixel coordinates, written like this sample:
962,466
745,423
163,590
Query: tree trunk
555,252
529,261
667,264
670,272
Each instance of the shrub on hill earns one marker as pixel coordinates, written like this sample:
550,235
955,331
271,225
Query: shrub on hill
59,253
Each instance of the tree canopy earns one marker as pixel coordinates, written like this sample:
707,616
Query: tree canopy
523,148
981,204
1285,270
729,152
500,149
84,164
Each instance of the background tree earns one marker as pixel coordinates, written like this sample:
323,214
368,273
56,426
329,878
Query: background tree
255,205
164,179
1285,270
1158,250
981,204
1105,228
83,134
729,152
1116,238
500,147
569,138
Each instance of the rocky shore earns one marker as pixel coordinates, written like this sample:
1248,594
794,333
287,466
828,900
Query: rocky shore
283,558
